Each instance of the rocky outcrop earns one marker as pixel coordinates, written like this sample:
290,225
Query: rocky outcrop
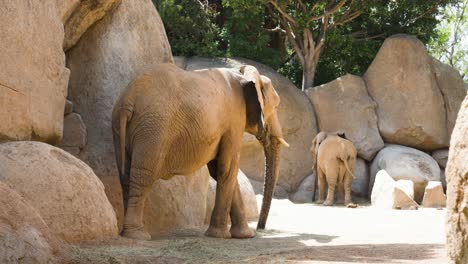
360,185
434,195
390,194
79,15
280,192
24,236
457,190
64,190
344,105
403,195
404,163
453,90
247,193
441,156
126,42
177,203
297,119
402,82
74,134
305,192
33,77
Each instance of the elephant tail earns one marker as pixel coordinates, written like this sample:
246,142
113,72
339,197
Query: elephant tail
125,115
345,161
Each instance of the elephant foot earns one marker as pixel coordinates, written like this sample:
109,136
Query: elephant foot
328,203
218,232
319,201
136,234
242,232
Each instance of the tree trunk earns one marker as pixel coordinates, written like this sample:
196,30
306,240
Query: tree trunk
309,68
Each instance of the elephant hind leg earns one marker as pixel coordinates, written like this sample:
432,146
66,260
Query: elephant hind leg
332,178
140,184
321,186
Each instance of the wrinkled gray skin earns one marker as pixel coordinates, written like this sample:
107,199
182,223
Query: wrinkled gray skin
172,122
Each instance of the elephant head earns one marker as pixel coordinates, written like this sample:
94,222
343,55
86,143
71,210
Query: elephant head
262,121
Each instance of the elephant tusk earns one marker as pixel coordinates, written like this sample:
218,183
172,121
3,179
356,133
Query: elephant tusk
283,142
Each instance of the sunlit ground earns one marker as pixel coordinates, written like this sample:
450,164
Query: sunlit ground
295,234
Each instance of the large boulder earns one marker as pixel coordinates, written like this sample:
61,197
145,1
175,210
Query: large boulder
410,108
33,77
360,185
247,193
177,203
118,48
457,190
344,105
63,189
305,192
404,163
297,120
24,236
453,90
79,15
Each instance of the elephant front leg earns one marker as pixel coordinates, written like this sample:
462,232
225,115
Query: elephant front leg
141,181
239,227
227,166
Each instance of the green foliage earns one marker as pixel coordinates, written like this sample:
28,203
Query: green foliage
238,30
244,32
189,27
352,47
450,45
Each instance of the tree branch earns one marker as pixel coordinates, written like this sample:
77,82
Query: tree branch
282,12
328,12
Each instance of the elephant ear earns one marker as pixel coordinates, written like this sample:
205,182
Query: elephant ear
253,88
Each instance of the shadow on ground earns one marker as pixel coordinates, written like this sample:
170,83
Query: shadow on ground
268,247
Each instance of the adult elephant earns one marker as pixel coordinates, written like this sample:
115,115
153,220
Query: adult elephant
172,122
333,159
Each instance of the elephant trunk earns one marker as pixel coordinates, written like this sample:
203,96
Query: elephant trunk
272,156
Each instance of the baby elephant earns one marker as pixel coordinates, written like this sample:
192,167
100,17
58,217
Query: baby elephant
333,160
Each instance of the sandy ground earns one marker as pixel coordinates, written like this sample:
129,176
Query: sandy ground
304,233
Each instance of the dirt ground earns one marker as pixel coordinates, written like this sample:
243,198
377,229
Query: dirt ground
296,233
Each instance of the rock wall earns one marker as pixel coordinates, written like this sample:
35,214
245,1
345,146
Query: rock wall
33,76
457,190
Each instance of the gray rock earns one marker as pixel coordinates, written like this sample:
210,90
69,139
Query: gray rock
441,156
74,132
304,193
68,107
360,186
404,163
